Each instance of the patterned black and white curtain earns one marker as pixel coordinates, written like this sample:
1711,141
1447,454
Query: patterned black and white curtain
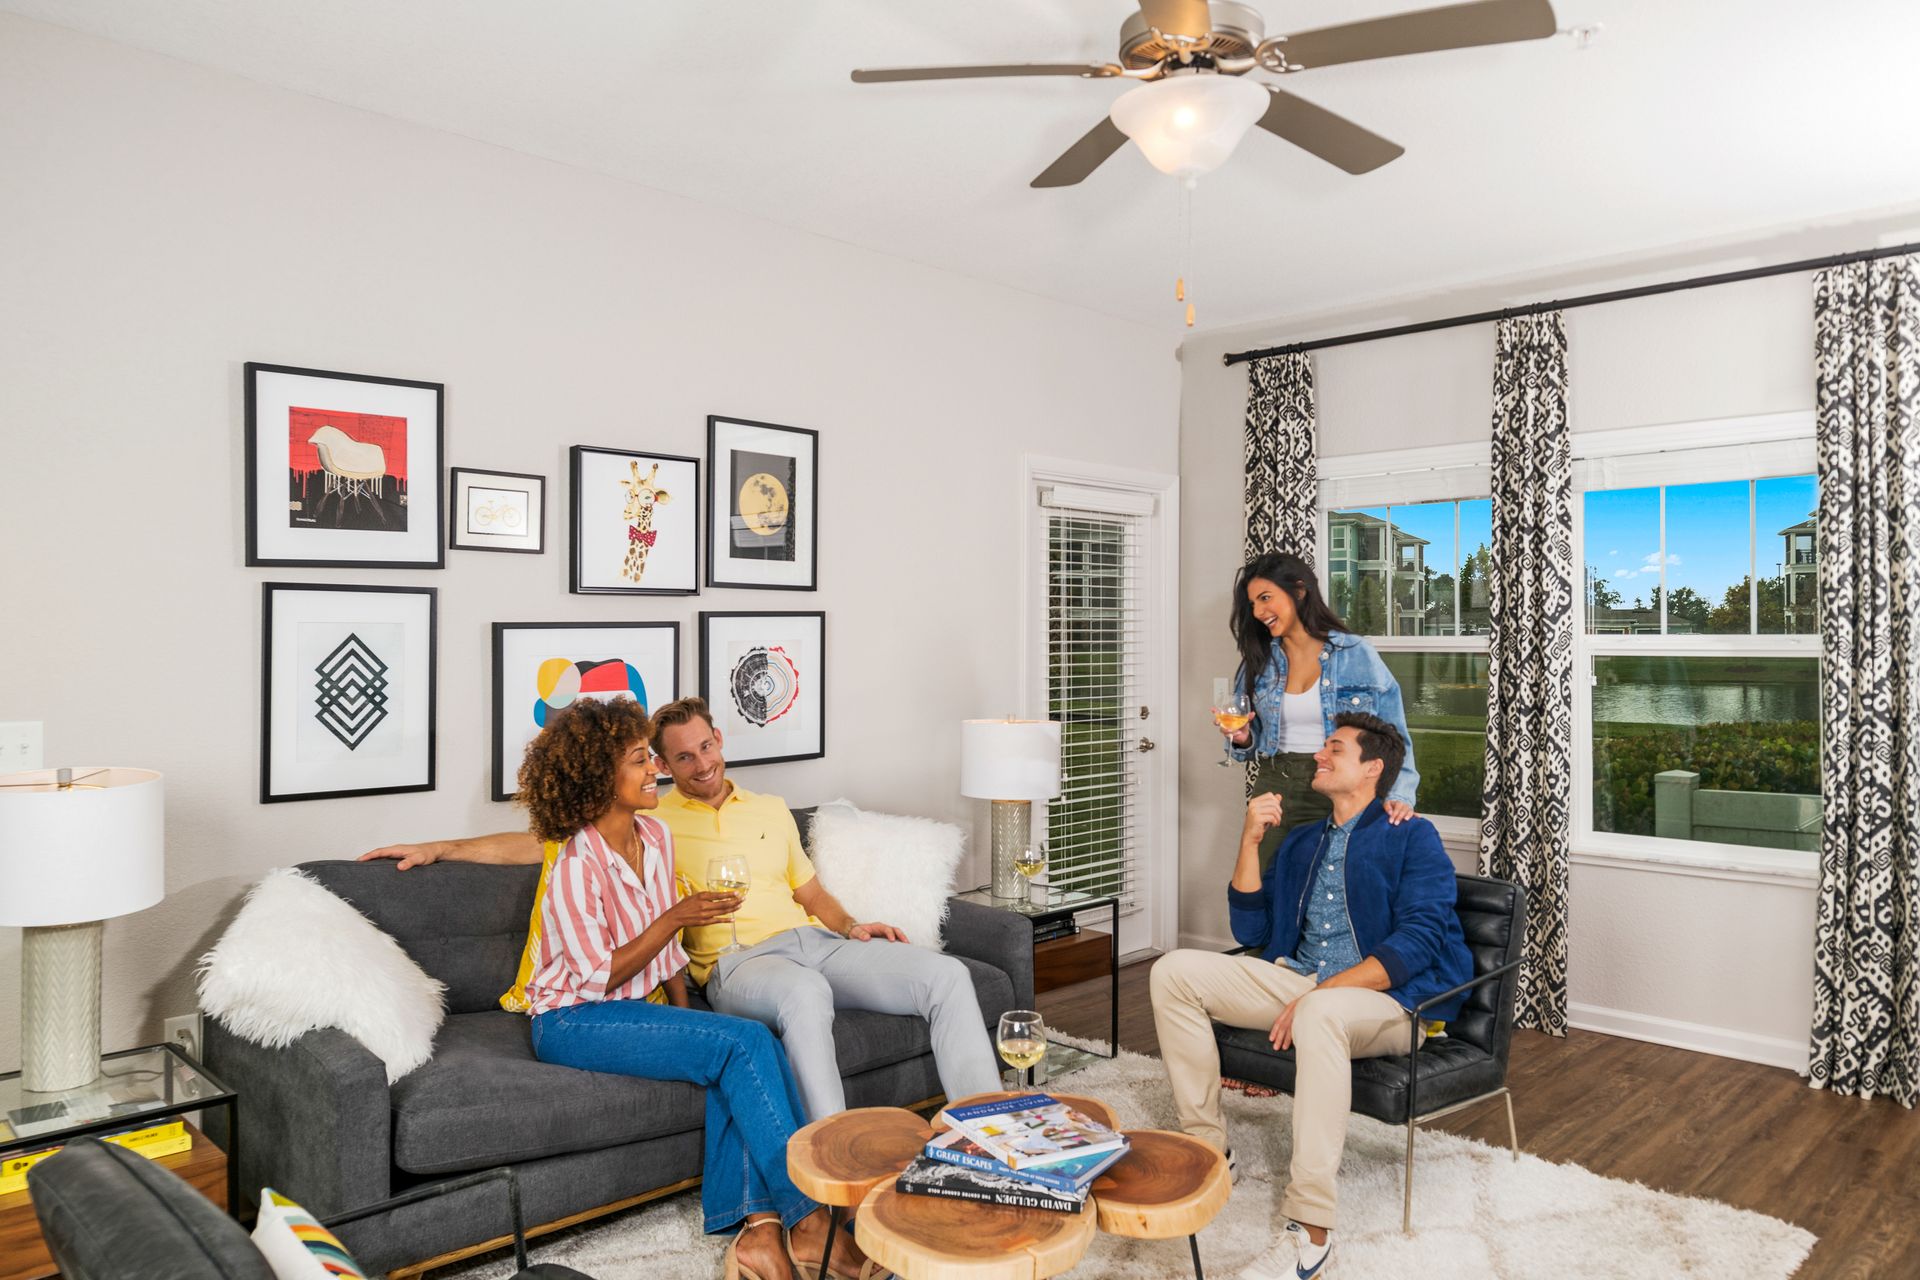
1283,480
1526,832
1866,987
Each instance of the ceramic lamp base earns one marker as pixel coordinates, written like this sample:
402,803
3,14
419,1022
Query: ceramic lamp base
60,1006
1012,830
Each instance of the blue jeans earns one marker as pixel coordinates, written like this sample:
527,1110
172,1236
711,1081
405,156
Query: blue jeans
751,1101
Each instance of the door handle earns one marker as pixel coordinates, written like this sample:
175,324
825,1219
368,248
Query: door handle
1146,744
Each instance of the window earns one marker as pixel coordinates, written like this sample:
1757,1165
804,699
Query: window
1425,609
1701,718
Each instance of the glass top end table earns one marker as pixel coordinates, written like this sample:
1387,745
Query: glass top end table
1055,903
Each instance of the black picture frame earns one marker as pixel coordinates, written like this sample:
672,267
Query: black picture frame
594,579
270,696
537,522
282,547
502,772
728,566
728,716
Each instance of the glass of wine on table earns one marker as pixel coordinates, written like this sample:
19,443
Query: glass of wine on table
1022,1041
729,875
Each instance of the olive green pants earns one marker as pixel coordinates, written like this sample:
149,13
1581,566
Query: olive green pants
1289,776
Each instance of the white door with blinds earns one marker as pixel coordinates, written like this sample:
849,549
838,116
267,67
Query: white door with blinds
1103,659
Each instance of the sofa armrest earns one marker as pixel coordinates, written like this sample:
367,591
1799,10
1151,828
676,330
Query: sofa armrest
1003,939
316,1123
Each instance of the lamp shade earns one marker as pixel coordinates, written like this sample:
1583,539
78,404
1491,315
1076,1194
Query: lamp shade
1188,124
91,852
1010,759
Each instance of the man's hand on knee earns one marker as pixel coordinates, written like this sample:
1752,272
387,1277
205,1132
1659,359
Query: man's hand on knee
1281,1036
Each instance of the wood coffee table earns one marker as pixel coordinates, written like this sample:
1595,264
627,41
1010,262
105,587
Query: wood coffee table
1168,1185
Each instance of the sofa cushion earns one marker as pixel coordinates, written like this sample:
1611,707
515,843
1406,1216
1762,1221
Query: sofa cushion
485,1100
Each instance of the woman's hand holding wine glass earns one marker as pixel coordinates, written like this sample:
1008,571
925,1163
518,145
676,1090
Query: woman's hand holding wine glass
730,875
1232,713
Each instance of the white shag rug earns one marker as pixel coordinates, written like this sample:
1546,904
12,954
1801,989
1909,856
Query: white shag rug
1477,1213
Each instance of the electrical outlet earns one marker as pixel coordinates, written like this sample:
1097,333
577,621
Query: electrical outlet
22,745
183,1033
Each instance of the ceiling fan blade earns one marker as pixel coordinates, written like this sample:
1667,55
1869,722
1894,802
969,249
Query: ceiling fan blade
1454,26
1089,70
1084,156
1335,139
1189,18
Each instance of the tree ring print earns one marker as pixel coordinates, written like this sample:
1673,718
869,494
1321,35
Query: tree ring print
765,684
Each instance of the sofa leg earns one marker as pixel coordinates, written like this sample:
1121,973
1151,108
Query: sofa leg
1513,1134
1406,1213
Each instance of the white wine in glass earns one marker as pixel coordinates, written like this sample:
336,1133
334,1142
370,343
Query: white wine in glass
1022,1041
1232,711
729,875
1032,860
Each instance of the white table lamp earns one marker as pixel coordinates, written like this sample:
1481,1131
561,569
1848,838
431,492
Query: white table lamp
77,846
1012,763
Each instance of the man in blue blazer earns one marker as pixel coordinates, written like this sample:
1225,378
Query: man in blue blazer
1353,925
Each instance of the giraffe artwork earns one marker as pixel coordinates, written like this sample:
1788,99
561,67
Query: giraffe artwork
642,498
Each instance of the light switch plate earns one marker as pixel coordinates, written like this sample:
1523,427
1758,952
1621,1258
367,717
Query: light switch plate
22,745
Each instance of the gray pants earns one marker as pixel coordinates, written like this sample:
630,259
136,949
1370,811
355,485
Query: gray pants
794,981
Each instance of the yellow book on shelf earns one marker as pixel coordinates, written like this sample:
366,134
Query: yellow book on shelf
154,1141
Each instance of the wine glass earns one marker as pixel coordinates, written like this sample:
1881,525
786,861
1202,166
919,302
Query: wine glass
1232,711
1030,862
730,875
1022,1041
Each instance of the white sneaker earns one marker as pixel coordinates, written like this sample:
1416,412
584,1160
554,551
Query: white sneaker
1233,1168
1293,1257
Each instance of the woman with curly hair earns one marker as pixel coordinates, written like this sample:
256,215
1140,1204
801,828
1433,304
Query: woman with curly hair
607,991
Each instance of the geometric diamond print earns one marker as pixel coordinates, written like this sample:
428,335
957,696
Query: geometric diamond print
351,692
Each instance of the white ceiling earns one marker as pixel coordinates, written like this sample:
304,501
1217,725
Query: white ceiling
1686,120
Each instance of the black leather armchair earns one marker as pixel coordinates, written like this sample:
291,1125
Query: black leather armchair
1462,1069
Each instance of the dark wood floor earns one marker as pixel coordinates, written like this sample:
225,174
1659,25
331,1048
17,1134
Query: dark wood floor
1688,1123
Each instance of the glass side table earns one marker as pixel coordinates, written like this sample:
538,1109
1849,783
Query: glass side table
135,1088
1055,904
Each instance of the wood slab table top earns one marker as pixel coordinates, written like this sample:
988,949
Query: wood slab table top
839,1159
931,1238
1168,1185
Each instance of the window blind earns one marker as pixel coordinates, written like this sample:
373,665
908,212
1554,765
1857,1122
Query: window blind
1094,647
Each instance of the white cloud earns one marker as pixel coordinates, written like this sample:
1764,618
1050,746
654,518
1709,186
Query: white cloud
1614,552
1652,561
1621,574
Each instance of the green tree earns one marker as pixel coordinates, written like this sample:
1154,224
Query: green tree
1732,616
1686,604
1605,594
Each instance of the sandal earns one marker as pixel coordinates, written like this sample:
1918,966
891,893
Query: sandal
805,1270
738,1270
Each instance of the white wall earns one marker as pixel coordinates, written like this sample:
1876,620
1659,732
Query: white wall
162,224
1716,962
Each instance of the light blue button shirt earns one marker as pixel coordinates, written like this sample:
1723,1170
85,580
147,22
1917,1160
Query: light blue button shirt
1327,945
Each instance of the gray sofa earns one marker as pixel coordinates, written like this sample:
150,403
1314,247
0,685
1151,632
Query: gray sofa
319,1123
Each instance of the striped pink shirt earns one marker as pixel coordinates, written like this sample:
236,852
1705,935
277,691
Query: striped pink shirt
595,903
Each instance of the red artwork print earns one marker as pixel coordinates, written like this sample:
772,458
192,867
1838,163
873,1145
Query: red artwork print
387,432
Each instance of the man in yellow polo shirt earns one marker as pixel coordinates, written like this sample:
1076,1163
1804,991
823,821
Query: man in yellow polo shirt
803,955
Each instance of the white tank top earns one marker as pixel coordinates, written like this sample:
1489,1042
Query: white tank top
1302,727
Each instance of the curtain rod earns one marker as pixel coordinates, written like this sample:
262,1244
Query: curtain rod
1588,300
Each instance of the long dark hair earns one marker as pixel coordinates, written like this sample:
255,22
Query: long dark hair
1295,577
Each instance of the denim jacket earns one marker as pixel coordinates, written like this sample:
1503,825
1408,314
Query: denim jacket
1352,678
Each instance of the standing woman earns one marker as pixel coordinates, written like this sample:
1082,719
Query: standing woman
607,991
1301,667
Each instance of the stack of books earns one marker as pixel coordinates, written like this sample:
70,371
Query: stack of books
1064,927
1029,1152
153,1141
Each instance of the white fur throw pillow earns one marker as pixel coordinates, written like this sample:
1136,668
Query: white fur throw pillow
886,867
298,958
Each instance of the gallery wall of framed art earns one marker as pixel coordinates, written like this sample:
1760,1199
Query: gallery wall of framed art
348,690
343,469
541,667
764,490
764,678
635,522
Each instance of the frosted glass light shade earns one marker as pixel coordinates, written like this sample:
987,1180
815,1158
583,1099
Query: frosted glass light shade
89,853
1187,125
1010,759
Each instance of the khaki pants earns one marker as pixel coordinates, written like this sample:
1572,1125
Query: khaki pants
1331,1028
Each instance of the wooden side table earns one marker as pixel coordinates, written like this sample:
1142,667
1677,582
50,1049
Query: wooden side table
1169,1185
838,1160
1058,904
928,1238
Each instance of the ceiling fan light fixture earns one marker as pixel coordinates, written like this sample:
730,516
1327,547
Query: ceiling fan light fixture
1189,123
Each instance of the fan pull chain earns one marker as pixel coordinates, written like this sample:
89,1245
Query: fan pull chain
1186,256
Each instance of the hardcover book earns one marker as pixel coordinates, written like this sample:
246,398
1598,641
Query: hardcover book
1068,1177
929,1177
1032,1130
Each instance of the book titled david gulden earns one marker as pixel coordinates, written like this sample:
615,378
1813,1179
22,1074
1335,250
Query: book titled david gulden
1033,1130
1069,1178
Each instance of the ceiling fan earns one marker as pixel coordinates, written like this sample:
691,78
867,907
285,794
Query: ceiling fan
1194,52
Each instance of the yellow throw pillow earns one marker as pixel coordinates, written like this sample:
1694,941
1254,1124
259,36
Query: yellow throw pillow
515,1000
296,1246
